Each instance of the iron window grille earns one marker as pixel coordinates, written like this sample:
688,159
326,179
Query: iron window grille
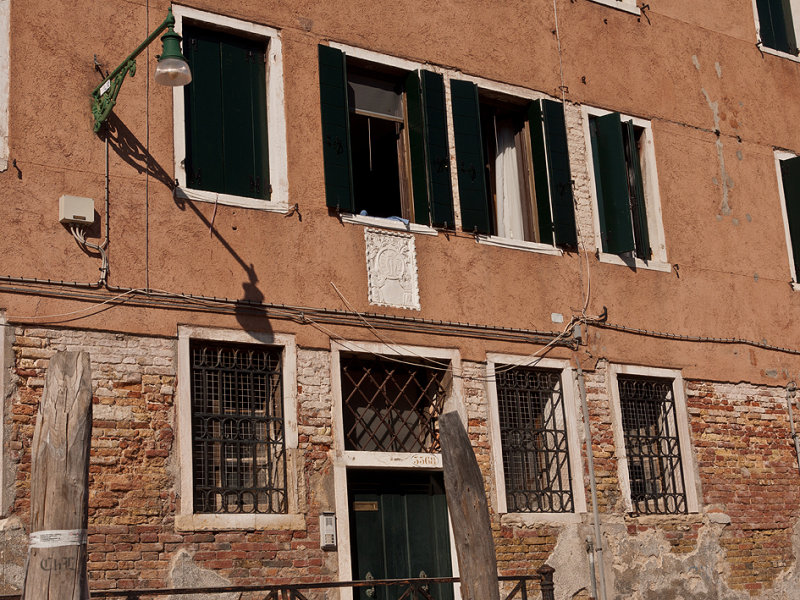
389,406
238,430
534,440
651,443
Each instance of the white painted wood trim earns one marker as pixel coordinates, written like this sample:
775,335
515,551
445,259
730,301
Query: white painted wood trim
276,118
344,459
370,221
624,5
655,224
5,68
186,519
573,440
682,422
779,156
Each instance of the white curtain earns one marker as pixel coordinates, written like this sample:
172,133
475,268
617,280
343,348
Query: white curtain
509,204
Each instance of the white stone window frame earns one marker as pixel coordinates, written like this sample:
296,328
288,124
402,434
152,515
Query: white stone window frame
652,196
186,519
276,117
398,63
344,459
688,464
512,92
5,67
795,7
781,155
572,420
7,389
624,5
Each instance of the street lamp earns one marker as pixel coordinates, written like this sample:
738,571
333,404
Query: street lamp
172,70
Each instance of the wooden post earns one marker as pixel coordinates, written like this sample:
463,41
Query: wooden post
469,512
56,566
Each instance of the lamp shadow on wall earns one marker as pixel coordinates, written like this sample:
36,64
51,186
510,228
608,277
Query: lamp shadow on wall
249,308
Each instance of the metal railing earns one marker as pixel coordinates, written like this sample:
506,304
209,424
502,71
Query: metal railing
524,587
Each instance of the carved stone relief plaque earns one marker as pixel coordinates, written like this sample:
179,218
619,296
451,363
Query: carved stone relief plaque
392,269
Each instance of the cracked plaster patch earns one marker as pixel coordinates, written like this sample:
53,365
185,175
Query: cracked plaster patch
392,269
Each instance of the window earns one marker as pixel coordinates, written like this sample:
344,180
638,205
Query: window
230,135
384,140
652,440
626,5
237,422
789,181
534,438
776,28
625,189
390,406
238,440
513,167
533,434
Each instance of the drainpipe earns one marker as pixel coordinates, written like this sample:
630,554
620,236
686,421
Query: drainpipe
598,540
590,552
791,390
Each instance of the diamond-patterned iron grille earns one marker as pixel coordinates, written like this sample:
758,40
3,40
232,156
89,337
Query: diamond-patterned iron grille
238,443
534,440
651,445
389,406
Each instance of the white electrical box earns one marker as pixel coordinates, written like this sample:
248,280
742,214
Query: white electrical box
327,531
74,209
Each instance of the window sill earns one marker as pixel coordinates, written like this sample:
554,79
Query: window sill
401,460
183,193
533,519
493,240
796,286
623,6
388,224
767,50
635,263
216,522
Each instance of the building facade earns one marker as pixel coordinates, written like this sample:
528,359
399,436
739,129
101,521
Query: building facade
575,223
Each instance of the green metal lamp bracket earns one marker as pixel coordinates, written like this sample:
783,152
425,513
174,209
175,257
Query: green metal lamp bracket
104,96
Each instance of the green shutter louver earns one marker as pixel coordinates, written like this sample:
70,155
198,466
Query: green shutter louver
335,129
416,142
636,193
790,174
437,150
611,177
469,157
226,123
776,27
541,178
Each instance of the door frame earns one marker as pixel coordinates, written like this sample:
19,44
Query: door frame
344,459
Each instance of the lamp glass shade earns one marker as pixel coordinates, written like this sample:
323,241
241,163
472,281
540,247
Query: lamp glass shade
172,72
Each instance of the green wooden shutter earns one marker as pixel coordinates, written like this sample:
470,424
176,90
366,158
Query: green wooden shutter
227,115
541,177
204,159
790,172
438,152
469,156
776,26
560,176
335,129
416,141
636,193
611,176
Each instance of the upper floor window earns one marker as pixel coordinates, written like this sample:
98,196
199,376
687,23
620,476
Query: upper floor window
776,28
513,166
230,134
789,180
625,188
385,144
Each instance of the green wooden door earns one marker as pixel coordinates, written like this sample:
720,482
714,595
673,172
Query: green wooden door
399,530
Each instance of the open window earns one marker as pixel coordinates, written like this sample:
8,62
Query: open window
384,140
776,25
513,167
789,180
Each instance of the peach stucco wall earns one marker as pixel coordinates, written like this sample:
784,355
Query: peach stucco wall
690,67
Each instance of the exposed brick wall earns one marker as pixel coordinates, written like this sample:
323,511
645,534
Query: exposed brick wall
746,470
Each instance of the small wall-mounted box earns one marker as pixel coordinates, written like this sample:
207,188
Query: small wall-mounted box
74,209
327,531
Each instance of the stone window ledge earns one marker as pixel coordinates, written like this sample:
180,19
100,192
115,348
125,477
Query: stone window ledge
209,522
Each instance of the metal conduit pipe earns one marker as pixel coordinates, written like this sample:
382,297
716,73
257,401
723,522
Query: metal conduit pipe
598,539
